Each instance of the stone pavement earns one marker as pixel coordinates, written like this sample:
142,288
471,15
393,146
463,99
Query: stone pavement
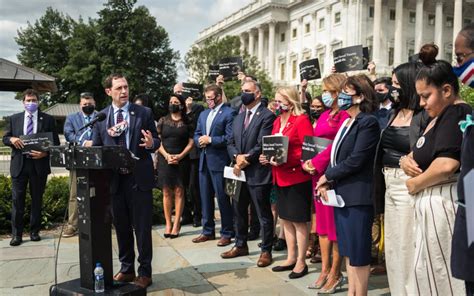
180,267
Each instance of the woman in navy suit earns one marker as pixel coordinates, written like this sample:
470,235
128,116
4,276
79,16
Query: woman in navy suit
350,175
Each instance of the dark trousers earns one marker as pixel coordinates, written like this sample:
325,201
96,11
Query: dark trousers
212,184
194,194
260,196
132,210
37,184
254,221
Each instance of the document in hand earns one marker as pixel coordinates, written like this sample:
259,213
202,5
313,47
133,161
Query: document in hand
469,200
276,147
37,142
333,200
229,174
312,146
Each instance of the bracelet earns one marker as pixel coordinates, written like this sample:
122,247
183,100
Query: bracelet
400,160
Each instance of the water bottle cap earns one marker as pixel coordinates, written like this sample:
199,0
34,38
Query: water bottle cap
98,265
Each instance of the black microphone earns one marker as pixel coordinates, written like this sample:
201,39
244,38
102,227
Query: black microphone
98,117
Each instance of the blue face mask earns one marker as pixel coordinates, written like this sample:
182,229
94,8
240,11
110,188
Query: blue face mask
327,99
344,101
465,73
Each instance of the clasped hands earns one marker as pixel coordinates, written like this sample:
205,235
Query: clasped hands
173,158
241,162
411,168
265,161
34,154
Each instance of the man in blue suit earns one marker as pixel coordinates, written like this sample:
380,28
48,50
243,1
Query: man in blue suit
74,122
131,190
245,147
213,131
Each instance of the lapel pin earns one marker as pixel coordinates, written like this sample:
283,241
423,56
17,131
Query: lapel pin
132,113
41,118
220,111
258,113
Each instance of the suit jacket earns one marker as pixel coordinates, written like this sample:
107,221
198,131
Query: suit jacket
196,110
215,154
46,123
352,160
249,141
141,118
74,122
291,172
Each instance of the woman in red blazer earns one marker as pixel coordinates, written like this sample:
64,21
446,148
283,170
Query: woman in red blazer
292,183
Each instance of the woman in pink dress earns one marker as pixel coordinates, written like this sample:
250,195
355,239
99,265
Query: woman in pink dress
327,126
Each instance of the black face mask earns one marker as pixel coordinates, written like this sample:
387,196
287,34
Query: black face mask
395,94
174,108
247,98
88,110
381,97
315,114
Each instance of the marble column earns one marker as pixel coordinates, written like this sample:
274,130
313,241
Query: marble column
251,43
458,20
376,32
328,62
260,45
439,23
271,49
314,27
419,25
242,43
398,42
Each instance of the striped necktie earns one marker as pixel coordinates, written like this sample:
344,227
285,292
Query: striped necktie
29,127
121,139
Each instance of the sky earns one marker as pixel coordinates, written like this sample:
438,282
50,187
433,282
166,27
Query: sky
182,19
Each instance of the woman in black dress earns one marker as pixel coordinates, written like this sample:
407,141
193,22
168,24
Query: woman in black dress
176,135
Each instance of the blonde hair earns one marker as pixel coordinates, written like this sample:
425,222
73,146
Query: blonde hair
291,95
334,82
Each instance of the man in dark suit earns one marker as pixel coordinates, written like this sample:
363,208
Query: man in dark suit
382,88
28,168
214,129
131,190
245,147
74,122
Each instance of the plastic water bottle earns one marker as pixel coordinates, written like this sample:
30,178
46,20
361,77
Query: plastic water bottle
99,278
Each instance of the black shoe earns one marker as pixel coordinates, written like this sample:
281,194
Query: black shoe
34,236
167,235
284,268
197,223
296,275
280,245
16,241
253,236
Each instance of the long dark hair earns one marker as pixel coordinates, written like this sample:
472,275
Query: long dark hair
363,85
406,76
182,103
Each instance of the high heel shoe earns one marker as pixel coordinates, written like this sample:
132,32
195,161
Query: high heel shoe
322,281
175,235
167,235
332,289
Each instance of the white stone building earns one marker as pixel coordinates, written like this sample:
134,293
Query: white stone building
282,33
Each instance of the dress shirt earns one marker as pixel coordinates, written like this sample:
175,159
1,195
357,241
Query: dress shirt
253,110
35,122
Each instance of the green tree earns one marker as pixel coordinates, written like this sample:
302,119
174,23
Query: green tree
198,59
467,94
44,47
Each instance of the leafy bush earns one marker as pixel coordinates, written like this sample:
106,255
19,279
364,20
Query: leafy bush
158,215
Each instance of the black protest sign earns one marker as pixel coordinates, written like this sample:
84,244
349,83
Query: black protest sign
230,67
310,70
192,90
365,57
213,72
349,59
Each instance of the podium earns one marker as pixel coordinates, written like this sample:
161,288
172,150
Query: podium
94,170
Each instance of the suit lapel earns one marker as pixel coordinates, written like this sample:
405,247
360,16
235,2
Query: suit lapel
40,122
133,118
21,123
219,113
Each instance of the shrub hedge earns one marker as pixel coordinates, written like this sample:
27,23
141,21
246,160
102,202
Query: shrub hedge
55,202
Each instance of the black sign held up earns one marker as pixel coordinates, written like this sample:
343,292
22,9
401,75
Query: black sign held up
213,72
192,90
312,146
37,142
275,147
365,55
230,67
310,70
349,59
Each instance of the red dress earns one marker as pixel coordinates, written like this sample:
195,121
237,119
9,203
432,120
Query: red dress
326,127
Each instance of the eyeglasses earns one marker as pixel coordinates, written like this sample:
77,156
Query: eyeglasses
461,56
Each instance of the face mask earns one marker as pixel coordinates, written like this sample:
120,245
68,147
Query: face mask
31,107
327,99
344,101
465,73
395,93
247,98
315,114
282,109
211,103
174,108
88,110
381,97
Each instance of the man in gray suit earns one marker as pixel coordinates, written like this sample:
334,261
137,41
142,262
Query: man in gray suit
74,122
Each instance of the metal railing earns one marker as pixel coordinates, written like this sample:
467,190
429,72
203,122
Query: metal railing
5,157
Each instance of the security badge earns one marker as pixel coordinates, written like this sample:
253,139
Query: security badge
420,142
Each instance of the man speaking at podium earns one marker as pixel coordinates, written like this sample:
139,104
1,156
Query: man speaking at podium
132,127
